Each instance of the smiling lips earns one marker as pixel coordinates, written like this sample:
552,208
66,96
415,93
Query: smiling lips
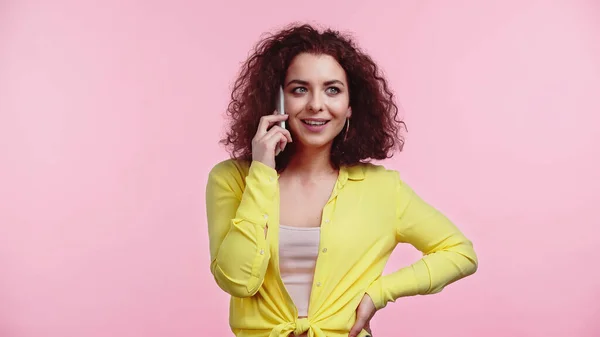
315,124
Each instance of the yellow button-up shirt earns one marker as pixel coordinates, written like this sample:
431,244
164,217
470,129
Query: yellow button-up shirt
369,212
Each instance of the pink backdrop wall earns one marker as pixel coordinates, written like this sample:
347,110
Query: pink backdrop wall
110,114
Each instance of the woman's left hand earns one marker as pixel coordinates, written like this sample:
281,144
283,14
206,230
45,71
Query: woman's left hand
365,311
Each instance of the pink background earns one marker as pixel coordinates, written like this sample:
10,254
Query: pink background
110,113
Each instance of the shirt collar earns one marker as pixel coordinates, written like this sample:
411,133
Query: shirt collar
355,172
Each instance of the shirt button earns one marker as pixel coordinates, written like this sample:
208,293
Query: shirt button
262,252
324,250
271,179
327,221
265,216
318,284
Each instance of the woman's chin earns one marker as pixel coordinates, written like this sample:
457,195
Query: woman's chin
314,143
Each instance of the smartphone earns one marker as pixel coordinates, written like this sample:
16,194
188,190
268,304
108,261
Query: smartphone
280,109
280,106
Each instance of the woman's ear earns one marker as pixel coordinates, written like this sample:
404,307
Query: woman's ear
349,113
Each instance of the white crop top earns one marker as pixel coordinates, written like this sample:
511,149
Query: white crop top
298,251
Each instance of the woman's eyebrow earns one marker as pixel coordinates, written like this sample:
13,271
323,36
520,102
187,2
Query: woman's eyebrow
334,82
301,82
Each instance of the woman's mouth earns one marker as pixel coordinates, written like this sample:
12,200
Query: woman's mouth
314,125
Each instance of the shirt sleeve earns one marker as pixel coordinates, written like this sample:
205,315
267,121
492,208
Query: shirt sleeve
447,254
237,218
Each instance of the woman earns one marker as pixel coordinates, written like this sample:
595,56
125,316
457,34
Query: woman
300,225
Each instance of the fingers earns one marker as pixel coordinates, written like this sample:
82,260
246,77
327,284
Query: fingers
361,321
270,139
267,121
276,139
365,311
278,129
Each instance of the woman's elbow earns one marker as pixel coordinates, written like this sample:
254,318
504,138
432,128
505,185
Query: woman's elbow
246,287
236,290
472,260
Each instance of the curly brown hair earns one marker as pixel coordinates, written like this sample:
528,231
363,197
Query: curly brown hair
374,130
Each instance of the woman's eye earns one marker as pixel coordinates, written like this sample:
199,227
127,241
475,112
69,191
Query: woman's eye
333,90
299,90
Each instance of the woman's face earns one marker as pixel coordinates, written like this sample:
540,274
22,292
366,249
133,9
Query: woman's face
316,99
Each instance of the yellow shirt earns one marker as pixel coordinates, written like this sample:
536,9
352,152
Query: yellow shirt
369,212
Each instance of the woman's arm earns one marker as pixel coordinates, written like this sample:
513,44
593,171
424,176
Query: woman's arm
448,254
237,222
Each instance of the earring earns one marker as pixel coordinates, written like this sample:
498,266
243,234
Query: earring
347,128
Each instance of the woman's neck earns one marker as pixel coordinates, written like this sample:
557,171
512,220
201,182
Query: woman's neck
311,163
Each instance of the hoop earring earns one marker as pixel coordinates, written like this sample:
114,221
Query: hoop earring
347,128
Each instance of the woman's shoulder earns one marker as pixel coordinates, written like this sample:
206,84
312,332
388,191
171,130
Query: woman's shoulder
230,168
373,171
383,180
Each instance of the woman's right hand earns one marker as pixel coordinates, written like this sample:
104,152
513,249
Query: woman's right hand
270,139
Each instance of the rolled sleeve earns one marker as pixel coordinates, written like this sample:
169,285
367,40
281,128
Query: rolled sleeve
447,254
238,211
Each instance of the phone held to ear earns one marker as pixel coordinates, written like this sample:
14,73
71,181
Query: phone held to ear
280,110
281,106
